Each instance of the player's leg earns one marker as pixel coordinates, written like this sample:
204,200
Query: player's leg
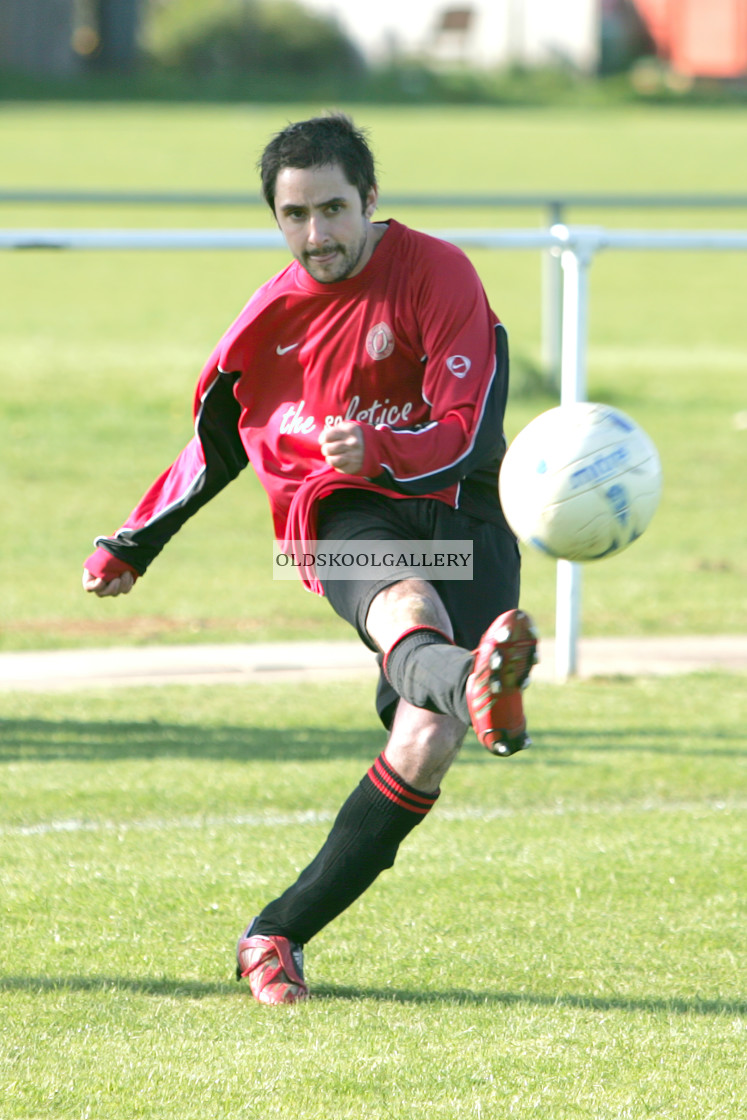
396,794
438,647
402,785
408,622
422,746
428,669
460,647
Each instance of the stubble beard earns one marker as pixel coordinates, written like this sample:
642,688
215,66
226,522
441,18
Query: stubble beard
344,263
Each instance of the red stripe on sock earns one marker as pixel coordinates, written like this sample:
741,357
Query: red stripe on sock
398,800
387,773
388,782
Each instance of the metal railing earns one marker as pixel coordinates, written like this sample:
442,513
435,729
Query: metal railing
554,205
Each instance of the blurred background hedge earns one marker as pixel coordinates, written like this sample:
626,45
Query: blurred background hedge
280,50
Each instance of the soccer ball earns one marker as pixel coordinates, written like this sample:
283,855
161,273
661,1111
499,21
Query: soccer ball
580,482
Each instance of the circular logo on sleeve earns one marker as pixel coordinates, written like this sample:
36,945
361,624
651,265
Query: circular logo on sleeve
380,342
458,365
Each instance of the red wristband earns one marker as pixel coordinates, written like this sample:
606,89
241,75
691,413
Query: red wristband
103,565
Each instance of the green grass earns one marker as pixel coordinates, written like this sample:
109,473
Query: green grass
99,353
563,937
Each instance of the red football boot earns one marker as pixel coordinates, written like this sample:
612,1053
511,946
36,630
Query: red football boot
273,967
507,652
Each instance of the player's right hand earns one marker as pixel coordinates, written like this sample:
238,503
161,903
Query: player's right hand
343,446
122,585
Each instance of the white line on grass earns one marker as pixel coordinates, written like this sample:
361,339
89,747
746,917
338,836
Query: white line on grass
324,816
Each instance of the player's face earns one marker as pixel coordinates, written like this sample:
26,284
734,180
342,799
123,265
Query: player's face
327,228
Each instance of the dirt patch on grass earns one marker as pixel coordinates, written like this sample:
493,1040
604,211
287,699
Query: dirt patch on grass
142,629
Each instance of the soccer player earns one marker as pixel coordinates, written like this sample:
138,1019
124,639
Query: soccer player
366,384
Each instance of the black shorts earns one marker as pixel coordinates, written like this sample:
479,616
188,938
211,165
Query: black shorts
351,514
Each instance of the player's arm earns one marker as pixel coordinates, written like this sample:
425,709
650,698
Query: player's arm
464,435
440,454
210,460
465,381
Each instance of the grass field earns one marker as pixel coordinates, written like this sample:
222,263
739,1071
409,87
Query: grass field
99,353
564,937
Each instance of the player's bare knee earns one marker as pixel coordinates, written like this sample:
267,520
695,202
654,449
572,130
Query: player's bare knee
402,606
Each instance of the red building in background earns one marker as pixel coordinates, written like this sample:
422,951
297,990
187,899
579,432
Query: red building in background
699,38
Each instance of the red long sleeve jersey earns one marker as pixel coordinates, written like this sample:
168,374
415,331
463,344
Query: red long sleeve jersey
408,348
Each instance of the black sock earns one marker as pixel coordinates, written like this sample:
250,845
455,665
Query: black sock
369,828
429,671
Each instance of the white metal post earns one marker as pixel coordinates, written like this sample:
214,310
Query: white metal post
552,303
575,264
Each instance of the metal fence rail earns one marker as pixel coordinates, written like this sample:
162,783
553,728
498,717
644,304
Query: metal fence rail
554,205
552,202
587,239
574,246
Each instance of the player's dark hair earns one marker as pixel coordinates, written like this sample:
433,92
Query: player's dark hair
319,142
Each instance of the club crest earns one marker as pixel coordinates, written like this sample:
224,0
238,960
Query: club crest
380,342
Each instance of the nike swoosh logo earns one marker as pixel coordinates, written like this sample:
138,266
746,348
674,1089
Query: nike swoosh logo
285,349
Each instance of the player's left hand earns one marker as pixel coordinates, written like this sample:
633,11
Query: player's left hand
121,585
343,447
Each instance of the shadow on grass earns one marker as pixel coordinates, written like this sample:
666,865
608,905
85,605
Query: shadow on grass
681,742
461,997
172,989
38,740
196,990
